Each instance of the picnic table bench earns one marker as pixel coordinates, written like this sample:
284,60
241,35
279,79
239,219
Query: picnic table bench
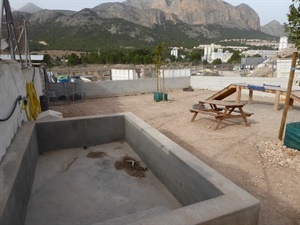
221,110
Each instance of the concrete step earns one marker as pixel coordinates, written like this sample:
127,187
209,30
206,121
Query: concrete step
135,216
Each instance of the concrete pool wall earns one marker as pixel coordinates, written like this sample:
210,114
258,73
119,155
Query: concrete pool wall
207,197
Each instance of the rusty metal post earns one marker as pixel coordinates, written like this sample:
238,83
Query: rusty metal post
288,95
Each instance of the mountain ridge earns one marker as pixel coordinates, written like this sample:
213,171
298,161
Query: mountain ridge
29,8
129,25
141,4
274,28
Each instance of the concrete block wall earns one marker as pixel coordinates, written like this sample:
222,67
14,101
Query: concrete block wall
101,89
17,170
67,89
79,132
119,88
13,84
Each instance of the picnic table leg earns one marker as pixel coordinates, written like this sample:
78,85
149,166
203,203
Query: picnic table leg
250,99
291,103
219,123
244,117
195,114
238,94
277,99
221,118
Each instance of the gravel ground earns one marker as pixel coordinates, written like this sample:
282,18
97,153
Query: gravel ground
252,157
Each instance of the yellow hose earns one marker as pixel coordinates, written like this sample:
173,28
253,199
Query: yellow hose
33,103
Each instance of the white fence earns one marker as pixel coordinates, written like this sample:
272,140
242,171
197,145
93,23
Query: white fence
123,74
283,68
133,74
177,72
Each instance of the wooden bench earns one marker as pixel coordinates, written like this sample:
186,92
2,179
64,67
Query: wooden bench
207,112
246,113
227,111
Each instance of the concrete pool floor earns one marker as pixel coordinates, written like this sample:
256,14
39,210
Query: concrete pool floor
71,188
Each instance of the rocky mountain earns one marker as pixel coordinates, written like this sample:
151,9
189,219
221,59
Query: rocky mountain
193,12
274,28
142,23
30,8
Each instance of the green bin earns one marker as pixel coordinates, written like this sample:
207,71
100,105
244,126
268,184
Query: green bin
292,135
158,96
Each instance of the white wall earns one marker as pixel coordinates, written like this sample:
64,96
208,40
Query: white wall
12,84
177,72
110,88
131,74
284,68
218,83
123,74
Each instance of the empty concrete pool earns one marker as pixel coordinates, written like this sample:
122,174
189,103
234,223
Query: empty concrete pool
113,169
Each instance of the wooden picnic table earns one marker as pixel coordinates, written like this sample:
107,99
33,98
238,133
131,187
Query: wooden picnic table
221,110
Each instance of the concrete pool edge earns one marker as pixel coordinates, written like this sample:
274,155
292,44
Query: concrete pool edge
234,206
17,175
228,204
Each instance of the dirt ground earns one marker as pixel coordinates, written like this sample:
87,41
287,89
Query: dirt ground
252,157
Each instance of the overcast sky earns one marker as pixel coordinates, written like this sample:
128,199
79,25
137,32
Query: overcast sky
267,10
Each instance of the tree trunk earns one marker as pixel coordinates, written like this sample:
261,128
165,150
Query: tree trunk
157,80
163,84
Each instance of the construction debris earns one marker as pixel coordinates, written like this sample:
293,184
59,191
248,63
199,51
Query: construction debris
277,154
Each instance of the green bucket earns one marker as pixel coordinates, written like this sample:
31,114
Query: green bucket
158,96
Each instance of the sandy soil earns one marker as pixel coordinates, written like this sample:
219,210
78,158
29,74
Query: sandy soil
252,157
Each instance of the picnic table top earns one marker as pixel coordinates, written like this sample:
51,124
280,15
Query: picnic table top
267,87
222,103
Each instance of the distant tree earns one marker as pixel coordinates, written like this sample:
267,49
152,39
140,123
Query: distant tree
48,60
94,58
205,62
120,56
195,55
57,61
159,61
148,59
138,59
73,60
293,25
84,58
172,58
256,55
235,58
228,49
217,62
111,58
158,57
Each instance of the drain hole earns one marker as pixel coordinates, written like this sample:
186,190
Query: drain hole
94,155
131,167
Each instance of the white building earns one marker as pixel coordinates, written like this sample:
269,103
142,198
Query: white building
224,56
174,52
208,50
283,43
